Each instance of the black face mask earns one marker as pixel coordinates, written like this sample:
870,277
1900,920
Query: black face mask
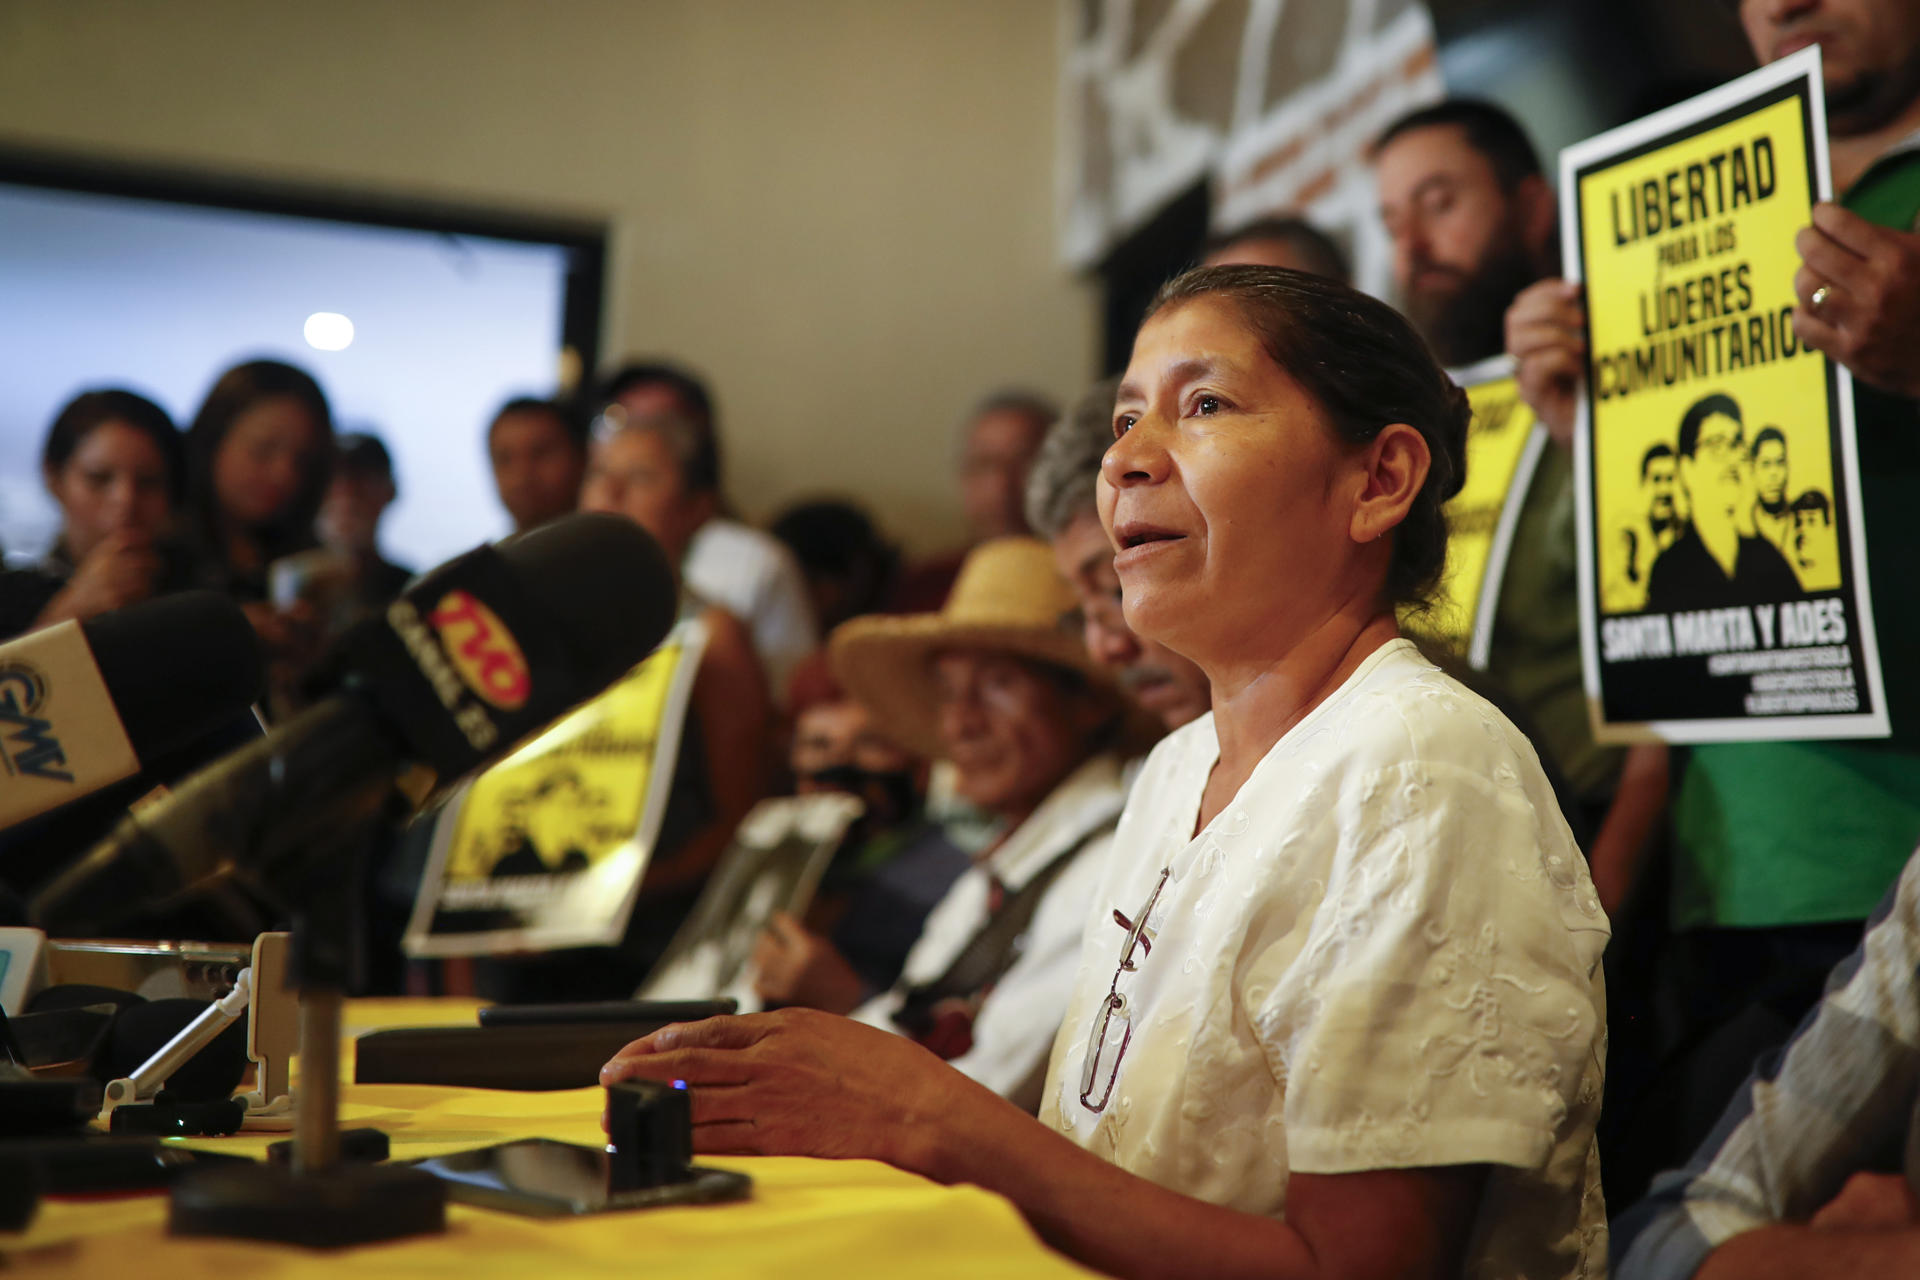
890,797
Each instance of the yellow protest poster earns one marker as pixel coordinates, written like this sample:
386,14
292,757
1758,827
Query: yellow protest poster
1723,578
1503,447
547,848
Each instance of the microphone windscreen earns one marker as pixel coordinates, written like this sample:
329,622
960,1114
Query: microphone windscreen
177,667
140,1030
604,583
495,644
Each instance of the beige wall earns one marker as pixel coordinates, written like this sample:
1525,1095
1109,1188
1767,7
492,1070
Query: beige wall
840,209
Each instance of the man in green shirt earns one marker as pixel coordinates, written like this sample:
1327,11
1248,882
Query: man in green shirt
1783,848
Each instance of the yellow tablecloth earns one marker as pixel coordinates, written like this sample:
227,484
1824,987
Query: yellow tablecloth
806,1217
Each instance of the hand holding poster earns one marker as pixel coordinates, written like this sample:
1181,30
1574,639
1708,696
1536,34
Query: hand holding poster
1723,571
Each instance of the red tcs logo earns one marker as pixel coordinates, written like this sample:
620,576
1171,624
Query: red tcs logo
482,650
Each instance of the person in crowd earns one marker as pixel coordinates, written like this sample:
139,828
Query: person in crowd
361,491
1032,728
259,454
1061,507
639,468
1473,222
726,562
849,565
114,463
538,450
888,873
1339,1007
1782,849
258,457
1282,240
997,443
1803,1173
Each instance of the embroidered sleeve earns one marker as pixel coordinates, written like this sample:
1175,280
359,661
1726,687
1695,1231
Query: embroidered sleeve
1441,1011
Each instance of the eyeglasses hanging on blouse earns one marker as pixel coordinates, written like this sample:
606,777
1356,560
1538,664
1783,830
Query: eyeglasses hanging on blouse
1115,1005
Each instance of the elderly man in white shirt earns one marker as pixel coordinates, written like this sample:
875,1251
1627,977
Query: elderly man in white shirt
996,686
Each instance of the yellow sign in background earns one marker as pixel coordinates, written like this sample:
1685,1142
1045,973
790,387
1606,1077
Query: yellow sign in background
1653,303
576,793
1496,443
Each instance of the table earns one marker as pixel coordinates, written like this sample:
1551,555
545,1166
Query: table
807,1217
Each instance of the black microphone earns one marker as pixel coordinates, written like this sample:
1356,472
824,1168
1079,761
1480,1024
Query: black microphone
85,705
472,658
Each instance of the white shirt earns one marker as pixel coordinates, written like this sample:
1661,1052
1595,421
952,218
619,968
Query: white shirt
753,576
1383,953
1015,1027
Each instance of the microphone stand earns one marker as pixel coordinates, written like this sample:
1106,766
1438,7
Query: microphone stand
319,1200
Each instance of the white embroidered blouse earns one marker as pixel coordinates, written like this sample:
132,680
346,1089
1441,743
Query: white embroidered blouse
1383,953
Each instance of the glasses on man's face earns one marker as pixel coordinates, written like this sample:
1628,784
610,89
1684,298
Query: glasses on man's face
1103,1062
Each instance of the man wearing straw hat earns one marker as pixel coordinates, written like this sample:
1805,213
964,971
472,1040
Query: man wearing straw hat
999,684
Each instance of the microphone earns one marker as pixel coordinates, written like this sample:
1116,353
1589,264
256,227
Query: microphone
84,704
472,658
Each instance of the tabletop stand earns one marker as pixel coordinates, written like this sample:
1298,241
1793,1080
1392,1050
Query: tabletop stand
319,1200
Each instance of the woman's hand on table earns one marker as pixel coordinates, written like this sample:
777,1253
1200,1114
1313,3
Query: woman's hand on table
802,1082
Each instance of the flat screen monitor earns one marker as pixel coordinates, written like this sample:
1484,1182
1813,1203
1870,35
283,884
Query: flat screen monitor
417,333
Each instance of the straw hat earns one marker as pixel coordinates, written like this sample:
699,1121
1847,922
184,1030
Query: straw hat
1008,598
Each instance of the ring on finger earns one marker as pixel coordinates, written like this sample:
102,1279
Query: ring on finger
1818,300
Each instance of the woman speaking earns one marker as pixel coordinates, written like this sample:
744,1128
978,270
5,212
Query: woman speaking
1339,1010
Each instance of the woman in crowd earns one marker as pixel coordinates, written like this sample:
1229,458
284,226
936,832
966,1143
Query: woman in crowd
114,463
1339,1008
995,686
258,457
